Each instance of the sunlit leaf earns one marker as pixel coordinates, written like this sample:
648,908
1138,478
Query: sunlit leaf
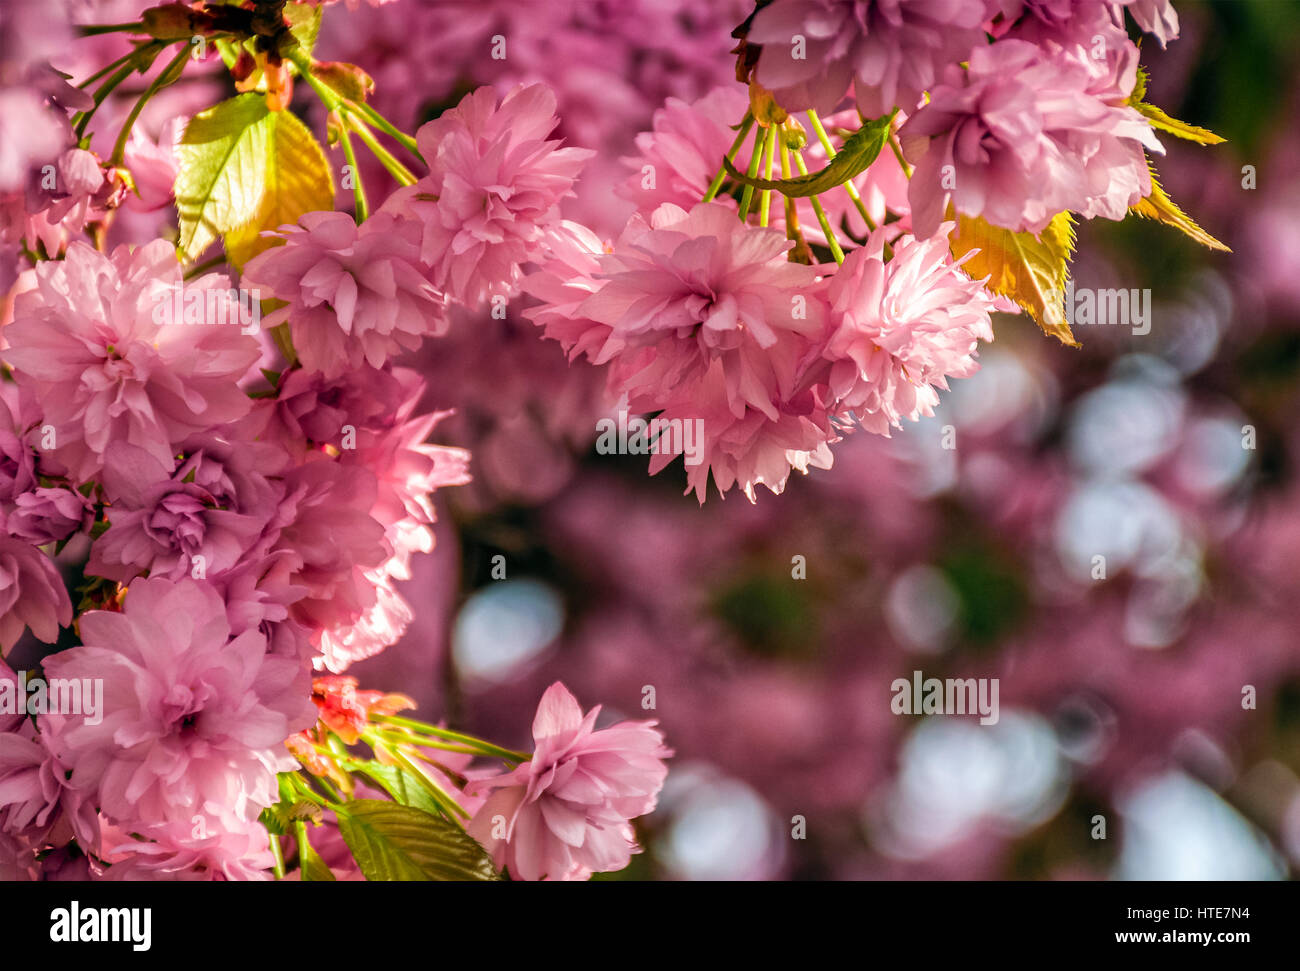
1160,207
1030,270
394,842
222,164
1158,119
296,180
401,785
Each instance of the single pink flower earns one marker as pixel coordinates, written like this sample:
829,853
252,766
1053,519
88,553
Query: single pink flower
153,165
495,183
698,287
564,814
32,594
355,294
165,522
95,345
193,720
901,329
47,514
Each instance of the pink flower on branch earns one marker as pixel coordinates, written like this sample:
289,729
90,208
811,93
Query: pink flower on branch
1023,134
495,183
564,814
91,344
355,294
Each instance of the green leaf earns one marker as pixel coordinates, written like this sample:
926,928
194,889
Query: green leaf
859,151
296,180
1158,119
223,159
281,816
401,785
309,861
304,23
1029,269
1140,88
394,842
1160,207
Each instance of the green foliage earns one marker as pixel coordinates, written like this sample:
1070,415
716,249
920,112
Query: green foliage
394,842
859,151
245,169
770,614
401,785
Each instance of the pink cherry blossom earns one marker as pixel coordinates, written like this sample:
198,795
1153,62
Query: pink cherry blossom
165,522
221,850
1018,138
495,182
889,50
751,448
565,812
702,286
679,158
32,594
153,165
35,794
31,134
193,721
331,541
91,344
355,293
901,329
47,514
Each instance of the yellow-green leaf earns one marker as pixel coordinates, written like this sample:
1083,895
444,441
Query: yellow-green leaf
304,23
296,180
1031,270
222,163
394,842
1160,207
309,861
859,151
1158,119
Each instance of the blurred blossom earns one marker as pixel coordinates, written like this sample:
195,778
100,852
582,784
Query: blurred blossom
503,627
1174,828
1211,458
957,775
718,828
1008,396
1126,425
1085,727
1127,522
922,609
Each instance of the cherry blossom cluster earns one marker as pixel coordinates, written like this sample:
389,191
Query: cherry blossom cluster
213,483
241,495
1016,112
